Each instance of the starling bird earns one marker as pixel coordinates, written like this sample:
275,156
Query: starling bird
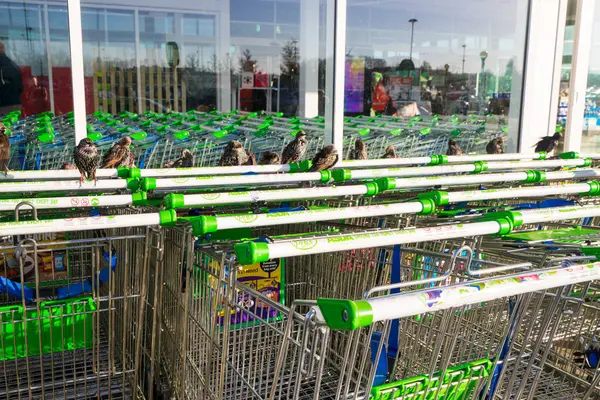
185,160
269,158
326,158
390,152
68,166
548,143
119,155
4,149
495,146
295,150
251,159
360,151
453,148
129,162
233,155
86,159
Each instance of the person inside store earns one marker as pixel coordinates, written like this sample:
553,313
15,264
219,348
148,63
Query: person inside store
11,83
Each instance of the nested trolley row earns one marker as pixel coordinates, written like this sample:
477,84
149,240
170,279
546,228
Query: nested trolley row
378,289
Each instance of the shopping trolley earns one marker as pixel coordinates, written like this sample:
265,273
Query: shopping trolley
462,341
76,316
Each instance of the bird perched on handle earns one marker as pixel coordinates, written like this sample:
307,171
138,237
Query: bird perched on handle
185,160
453,148
130,161
251,159
4,149
326,158
548,143
86,159
119,155
233,155
495,146
295,150
269,158
390,152
360,151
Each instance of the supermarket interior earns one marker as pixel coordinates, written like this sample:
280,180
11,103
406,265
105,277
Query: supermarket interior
300,199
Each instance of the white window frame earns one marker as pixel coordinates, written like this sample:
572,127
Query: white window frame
582,46
541,78
77,74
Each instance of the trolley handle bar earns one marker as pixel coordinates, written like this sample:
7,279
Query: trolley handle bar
501,223
340,314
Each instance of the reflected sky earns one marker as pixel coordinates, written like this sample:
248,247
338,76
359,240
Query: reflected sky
376,28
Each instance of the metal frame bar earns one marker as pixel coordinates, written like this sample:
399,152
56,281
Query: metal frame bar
336,48
48,57
544,23
138,75
584,24
77,73
558,57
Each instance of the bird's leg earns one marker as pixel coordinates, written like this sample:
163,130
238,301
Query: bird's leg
81,179
94,178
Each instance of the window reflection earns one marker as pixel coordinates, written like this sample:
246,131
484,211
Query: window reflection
265,58
35,42
413,63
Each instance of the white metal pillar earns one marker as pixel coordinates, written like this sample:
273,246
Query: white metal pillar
309,58
584,24
335,75
544,47
49,57
138,83
77,75
223,53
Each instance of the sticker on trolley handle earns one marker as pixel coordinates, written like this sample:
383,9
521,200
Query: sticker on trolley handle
432,297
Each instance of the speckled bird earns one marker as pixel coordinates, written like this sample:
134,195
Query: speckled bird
185,160
548,143
269,158
453,148
360,151
129,162
68,166
4,149
119,155
295,150
390,152
86,159
233,155
495,146
326,158
251,158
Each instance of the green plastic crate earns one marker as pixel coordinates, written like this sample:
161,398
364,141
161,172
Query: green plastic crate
62,325
458,383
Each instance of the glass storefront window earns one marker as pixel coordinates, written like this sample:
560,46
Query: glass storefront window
35,78
431,71
413,79
204,60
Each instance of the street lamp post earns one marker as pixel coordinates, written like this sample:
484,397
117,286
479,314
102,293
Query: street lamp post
482,88
464,46
412,34
446,68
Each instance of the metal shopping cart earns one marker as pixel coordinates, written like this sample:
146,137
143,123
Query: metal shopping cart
77,314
